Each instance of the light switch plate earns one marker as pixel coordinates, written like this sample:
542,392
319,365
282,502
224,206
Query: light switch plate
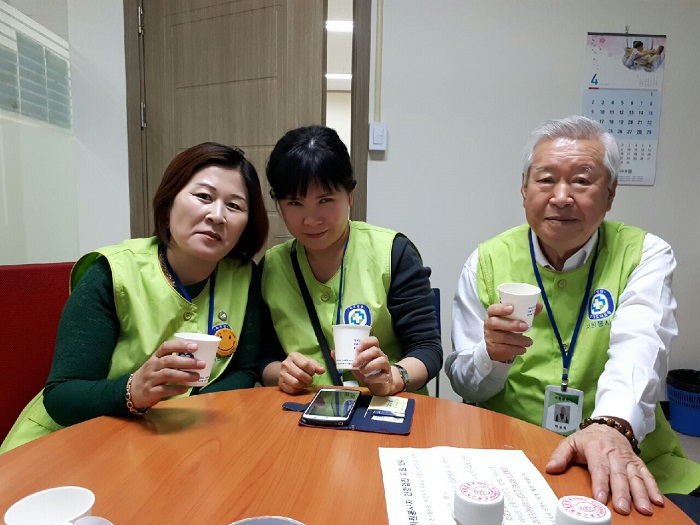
377,136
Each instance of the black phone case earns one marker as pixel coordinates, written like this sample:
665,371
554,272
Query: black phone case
362,419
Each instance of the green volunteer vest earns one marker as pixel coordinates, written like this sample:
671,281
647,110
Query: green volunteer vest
150,311
506,258
366,281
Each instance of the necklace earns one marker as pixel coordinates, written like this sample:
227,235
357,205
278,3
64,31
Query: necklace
164,267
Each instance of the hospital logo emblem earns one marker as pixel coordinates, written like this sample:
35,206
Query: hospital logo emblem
601,305
358,314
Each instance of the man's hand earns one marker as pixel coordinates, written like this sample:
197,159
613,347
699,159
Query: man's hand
504,337
614,468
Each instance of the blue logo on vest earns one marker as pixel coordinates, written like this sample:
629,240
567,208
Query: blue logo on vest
601,305
358,314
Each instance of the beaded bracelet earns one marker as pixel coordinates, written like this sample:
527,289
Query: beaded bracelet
622,429
130,403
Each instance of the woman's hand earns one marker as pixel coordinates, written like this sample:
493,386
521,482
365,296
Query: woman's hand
374,369
151,382
297,372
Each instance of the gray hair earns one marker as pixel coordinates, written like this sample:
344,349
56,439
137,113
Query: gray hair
574,127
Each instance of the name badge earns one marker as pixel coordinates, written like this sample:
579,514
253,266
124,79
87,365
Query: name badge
562,410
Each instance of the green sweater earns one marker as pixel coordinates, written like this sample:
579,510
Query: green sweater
87,335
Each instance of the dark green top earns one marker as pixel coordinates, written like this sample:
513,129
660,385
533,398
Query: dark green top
77,390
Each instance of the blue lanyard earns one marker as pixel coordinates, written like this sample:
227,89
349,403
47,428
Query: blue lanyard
566,356
342,280
183,291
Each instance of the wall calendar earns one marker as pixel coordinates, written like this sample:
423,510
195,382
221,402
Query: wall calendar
623,82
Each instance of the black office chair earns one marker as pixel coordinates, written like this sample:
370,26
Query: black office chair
436,302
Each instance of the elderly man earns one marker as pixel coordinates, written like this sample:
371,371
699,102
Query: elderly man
602,346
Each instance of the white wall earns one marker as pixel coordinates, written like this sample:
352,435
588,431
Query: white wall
38,218
462,86
338,114
96,35
66,192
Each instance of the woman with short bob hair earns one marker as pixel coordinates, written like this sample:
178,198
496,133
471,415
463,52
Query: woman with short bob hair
115,353
189,162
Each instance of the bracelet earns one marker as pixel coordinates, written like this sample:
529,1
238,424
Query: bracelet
130,403
622,429
404,376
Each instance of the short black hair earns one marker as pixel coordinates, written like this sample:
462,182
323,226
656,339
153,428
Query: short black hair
312,155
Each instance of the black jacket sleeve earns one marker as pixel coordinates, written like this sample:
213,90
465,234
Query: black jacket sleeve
412,308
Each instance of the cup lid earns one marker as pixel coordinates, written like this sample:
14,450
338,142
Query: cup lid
267,520
580,510
195,336
53,505
478,502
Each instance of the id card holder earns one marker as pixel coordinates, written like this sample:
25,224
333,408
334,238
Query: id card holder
562,409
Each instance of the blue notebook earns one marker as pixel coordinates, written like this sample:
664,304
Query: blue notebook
366,419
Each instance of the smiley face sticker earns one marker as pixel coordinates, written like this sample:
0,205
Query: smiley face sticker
229,341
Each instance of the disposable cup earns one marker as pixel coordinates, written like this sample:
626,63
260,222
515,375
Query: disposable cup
346,338
50,506
207,345
267,520
580,510
478,503
523,297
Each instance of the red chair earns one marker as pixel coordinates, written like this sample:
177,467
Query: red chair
32,299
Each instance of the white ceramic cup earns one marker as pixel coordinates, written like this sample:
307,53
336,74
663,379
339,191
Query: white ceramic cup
268,520
580,510
207,345
478,503
346,338
57,505
523,297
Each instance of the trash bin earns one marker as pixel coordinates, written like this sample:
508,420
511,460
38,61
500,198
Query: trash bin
684,400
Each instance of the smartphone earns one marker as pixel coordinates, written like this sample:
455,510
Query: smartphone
331,406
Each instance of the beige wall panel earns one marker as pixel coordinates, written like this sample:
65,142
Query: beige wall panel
207,51
306,36
237,72
194,8
214,112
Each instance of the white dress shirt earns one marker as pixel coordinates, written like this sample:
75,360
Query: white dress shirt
644,320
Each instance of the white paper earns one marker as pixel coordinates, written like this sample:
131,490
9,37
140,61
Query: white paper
419,484
390,405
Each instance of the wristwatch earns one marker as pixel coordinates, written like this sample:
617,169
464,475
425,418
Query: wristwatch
404,376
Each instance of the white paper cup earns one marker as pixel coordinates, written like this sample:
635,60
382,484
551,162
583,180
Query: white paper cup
268,520
51,506
207,345
523,297
478,503
580,510
346,338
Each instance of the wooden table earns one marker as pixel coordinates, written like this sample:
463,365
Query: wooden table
216,458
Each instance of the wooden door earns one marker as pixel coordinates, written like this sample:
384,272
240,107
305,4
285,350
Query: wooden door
239,72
